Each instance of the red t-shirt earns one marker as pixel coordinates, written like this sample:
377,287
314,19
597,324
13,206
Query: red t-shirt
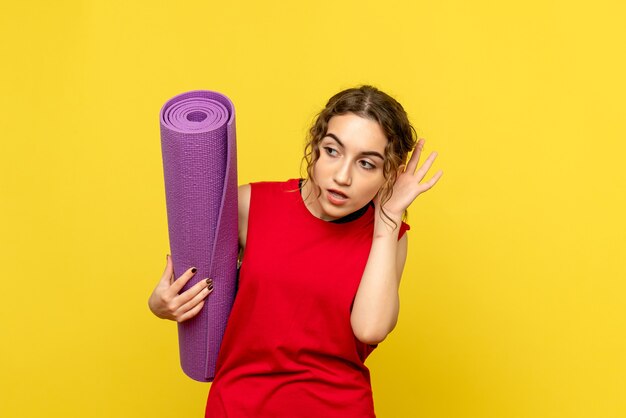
288,349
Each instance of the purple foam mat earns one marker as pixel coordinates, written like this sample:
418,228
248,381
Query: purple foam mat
200,171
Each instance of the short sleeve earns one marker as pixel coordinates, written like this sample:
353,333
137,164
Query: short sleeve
364,350
403,228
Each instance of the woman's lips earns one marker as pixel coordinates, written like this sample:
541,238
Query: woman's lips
336,197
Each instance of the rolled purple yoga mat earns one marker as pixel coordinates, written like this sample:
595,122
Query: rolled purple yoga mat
200,171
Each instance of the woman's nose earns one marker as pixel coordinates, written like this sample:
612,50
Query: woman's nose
343,175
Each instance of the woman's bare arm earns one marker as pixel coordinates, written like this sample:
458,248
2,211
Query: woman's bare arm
376,305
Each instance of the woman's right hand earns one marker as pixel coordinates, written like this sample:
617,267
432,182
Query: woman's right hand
166,303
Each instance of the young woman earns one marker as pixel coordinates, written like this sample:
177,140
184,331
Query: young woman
321,267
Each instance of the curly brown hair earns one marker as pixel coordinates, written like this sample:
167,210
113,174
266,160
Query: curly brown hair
370,103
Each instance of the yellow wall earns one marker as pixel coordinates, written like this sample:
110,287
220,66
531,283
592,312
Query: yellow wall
513,295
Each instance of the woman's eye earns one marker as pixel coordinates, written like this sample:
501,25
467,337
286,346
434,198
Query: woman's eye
330,151
367,165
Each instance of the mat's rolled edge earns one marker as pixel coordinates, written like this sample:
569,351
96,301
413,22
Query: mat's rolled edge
227,228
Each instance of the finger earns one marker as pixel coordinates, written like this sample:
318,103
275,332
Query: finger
426,166
173,275
190,293
433,180
182,280
191,313
168,273
206,291
415,157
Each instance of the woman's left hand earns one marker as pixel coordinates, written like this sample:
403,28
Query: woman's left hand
407,186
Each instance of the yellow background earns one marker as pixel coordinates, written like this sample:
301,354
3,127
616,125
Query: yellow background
513,298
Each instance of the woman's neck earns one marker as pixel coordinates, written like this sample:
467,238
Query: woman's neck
308,191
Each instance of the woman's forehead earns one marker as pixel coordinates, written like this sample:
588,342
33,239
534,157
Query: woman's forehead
356,133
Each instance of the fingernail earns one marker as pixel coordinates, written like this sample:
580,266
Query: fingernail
209,281
193,270
210,287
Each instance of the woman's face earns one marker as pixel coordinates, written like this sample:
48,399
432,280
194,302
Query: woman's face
349,171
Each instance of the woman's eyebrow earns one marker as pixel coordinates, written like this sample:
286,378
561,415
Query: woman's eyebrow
335,138
366,153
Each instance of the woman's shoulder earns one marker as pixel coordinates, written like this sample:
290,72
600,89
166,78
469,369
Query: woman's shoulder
273,185
243,195
262,190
